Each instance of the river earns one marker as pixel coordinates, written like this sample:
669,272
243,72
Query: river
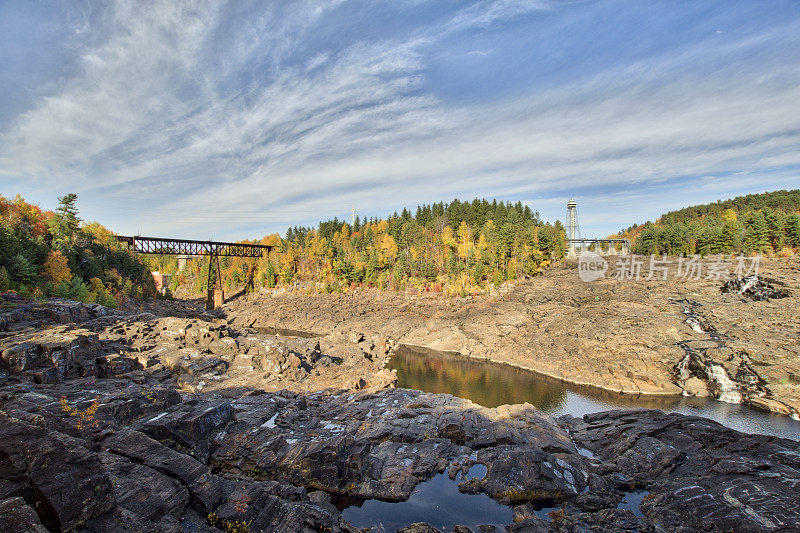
492,384
438,502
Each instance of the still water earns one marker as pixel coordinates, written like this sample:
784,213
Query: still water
438,502
492,384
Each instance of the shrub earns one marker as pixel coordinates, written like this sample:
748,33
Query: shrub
99,294
78,290
497,277
5,280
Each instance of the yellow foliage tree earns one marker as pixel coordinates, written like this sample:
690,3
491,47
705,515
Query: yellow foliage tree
56,269
464,239
447,237
480,248
729,215
388,249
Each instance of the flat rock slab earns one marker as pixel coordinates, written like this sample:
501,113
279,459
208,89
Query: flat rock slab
698,475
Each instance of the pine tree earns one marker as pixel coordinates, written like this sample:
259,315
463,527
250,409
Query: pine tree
791,229
756,233
729,236
66,221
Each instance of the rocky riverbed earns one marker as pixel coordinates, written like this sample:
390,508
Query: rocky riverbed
621,335
120,422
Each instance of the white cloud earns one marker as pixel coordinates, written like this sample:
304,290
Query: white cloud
157,115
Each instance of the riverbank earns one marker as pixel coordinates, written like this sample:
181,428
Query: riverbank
624,336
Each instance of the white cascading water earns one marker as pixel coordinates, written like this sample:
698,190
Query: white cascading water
728,389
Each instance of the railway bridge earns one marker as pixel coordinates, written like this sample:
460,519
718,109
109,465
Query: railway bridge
184,248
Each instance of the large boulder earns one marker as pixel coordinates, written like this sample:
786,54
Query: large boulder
66,483
189,425
22,356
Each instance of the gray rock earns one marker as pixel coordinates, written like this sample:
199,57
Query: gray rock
17,517
66,482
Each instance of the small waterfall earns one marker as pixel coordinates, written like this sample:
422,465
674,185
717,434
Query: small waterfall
728,389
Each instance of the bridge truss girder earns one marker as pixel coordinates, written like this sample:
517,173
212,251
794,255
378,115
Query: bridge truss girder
159,245
213,249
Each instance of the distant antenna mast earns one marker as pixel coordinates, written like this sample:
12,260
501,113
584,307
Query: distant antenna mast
574,232
354,215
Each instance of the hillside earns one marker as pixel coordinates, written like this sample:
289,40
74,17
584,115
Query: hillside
456,247
51,253
756,223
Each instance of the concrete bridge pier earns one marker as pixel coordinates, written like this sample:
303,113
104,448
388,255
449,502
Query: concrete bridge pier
214,298
182,260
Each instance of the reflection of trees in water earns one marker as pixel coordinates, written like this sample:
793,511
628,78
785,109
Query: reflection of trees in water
493,384
486,384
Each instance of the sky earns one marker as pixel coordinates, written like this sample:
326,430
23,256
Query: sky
235,119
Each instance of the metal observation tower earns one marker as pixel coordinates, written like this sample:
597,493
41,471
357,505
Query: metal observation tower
577,244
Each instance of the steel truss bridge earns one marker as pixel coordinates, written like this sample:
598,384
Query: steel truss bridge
213,249
159,245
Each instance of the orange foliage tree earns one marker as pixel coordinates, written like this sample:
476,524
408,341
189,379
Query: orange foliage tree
56,269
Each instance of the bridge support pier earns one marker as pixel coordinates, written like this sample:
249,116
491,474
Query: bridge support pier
182,260
215,296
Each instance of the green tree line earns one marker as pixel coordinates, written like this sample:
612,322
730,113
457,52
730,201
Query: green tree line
756,223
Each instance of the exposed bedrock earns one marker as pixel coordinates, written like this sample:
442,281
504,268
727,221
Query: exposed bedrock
620,335
194,355
149,460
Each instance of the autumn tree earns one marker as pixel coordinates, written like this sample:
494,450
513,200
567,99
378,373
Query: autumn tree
56,268
388,250
464,240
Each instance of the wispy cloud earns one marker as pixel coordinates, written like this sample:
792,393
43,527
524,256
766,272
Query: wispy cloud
231,119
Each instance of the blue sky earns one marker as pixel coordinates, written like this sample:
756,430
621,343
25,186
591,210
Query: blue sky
213,119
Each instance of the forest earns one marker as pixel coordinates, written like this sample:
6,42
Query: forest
456,248
757,223
51,253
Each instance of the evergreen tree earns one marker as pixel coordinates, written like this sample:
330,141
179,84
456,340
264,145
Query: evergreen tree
66,222
729,236
792,230
756,233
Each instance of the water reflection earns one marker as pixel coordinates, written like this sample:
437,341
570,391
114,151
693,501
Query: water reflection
491,384
437,502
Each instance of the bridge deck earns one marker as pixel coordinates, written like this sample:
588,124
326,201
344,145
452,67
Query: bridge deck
160,245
